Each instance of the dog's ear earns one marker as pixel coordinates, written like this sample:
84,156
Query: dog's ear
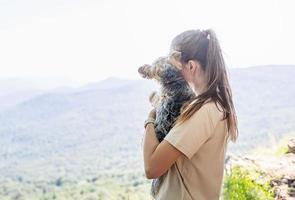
174,56
174,59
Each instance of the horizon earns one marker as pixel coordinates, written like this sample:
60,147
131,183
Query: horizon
59,82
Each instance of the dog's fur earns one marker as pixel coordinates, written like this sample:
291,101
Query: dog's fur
174,92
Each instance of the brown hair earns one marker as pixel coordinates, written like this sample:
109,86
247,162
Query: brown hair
204,47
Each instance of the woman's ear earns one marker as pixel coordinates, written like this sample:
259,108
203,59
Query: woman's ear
193,66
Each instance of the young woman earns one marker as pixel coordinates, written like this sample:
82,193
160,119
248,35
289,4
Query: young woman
191,156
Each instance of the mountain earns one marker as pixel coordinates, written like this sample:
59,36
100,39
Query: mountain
109,83
16,90
264,100
97,129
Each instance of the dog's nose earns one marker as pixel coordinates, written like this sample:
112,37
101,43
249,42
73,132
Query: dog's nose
142,69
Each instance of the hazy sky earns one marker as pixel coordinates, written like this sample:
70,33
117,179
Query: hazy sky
91,40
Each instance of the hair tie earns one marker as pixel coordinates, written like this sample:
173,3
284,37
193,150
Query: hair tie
206,34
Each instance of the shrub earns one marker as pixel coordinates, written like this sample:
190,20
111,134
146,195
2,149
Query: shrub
241,184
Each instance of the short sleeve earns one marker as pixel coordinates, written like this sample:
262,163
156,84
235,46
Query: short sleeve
189,136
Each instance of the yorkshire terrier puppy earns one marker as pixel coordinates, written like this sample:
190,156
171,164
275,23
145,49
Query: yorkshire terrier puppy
174,92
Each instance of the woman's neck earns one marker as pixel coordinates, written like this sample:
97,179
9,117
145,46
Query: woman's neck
199,87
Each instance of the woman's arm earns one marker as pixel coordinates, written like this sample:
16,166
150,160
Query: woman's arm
158,157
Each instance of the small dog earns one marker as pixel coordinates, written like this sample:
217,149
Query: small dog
174,92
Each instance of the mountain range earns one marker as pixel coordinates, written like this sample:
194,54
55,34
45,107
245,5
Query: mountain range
98,127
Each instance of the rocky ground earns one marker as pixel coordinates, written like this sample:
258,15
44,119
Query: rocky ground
279,169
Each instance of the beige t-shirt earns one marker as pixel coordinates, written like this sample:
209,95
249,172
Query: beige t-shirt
198,175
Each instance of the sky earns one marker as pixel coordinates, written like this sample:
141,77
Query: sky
84,41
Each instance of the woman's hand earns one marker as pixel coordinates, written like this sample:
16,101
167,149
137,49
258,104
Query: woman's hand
152,114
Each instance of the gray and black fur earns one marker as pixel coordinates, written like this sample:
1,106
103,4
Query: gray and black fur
174,92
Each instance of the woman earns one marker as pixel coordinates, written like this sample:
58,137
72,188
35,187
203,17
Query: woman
191,156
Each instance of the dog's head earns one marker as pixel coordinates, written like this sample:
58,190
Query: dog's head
161,70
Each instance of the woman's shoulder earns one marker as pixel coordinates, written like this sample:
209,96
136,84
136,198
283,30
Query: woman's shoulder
210,110
213,104
214,109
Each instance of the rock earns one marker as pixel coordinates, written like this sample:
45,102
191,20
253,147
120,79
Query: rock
281,170
291,146
291,192
285,181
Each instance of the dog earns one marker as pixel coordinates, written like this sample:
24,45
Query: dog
174,92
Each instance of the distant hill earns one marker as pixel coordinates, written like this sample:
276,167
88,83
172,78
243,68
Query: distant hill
264,100
98,128
16,90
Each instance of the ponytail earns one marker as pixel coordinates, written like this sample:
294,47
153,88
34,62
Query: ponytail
204,47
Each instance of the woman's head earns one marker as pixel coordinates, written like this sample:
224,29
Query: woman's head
193,74
198,55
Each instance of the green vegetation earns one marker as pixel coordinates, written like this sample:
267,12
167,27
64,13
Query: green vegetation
105,187
244,184
282,146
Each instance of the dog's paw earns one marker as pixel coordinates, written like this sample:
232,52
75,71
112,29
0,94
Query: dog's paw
154,99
